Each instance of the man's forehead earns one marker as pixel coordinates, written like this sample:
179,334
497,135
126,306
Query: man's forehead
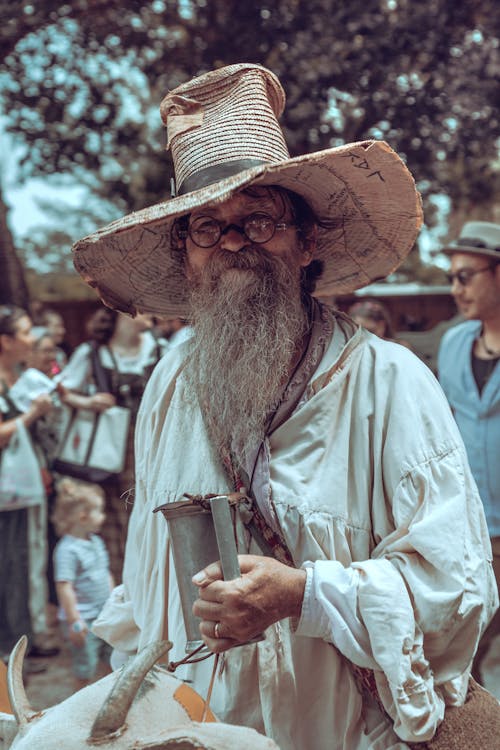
467,260
262,198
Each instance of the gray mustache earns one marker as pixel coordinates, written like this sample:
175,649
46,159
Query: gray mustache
250,257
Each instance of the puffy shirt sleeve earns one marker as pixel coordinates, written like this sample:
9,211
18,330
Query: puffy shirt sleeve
433,577
414,611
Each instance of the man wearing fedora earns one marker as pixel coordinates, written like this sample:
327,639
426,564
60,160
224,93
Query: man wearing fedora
364,552
469,371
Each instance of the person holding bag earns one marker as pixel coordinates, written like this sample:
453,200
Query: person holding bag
115,364
22,498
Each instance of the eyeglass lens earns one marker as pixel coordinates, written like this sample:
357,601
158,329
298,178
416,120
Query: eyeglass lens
205,231
465,275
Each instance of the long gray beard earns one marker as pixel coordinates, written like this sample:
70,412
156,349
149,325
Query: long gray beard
247,327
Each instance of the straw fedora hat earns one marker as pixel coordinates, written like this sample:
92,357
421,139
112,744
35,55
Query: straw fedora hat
477,238
223,130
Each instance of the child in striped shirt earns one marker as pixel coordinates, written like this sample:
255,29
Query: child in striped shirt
81,571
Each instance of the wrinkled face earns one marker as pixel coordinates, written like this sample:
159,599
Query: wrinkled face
43,355
246,307
231,215
479,298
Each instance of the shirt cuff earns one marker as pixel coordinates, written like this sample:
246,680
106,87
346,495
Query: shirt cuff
329,610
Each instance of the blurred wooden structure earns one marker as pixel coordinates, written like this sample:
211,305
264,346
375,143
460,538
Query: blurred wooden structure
412,306
420,313
70,296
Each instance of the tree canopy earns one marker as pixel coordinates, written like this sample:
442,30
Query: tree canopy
82,82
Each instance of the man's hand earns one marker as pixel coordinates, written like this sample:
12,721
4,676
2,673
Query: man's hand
266,592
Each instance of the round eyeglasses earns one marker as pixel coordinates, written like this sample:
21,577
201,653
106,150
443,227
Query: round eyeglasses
205,231
465,275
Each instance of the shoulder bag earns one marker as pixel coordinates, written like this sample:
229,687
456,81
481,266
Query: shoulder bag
21,483
94,445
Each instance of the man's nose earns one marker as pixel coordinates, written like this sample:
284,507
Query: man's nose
233,238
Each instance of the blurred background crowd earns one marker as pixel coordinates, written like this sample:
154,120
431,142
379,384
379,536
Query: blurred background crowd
44,384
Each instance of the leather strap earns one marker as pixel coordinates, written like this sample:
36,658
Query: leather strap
98,370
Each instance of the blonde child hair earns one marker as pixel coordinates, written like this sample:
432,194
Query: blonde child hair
73,495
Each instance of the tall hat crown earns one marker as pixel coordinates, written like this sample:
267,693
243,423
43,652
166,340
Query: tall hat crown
222,123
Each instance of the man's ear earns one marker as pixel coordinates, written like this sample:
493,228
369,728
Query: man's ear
309,241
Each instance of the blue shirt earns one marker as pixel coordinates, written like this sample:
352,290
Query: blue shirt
477,415
85,563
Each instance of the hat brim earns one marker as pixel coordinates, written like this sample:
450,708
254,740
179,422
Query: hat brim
364,197
452,248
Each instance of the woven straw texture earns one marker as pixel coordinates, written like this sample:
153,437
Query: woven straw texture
365,199
229,129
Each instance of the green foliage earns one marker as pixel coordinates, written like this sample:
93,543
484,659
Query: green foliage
82,82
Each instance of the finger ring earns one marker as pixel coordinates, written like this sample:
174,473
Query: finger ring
217,630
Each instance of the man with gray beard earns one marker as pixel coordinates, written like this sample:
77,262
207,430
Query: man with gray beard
247,308
366,579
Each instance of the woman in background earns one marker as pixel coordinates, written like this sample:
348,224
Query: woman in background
47,430
22,590
53,322
128,353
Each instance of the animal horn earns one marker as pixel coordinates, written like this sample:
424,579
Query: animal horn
111,718
19,702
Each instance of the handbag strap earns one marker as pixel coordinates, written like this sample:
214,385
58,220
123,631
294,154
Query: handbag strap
271,543
115,373
98,371
158,354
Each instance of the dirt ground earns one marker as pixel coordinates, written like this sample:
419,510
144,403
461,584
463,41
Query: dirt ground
53,685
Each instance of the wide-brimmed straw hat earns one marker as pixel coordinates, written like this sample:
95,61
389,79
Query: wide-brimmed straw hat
223,130
477,238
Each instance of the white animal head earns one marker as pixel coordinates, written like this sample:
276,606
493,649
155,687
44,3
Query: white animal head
140,707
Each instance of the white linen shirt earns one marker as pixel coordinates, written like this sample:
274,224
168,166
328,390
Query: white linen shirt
373,494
